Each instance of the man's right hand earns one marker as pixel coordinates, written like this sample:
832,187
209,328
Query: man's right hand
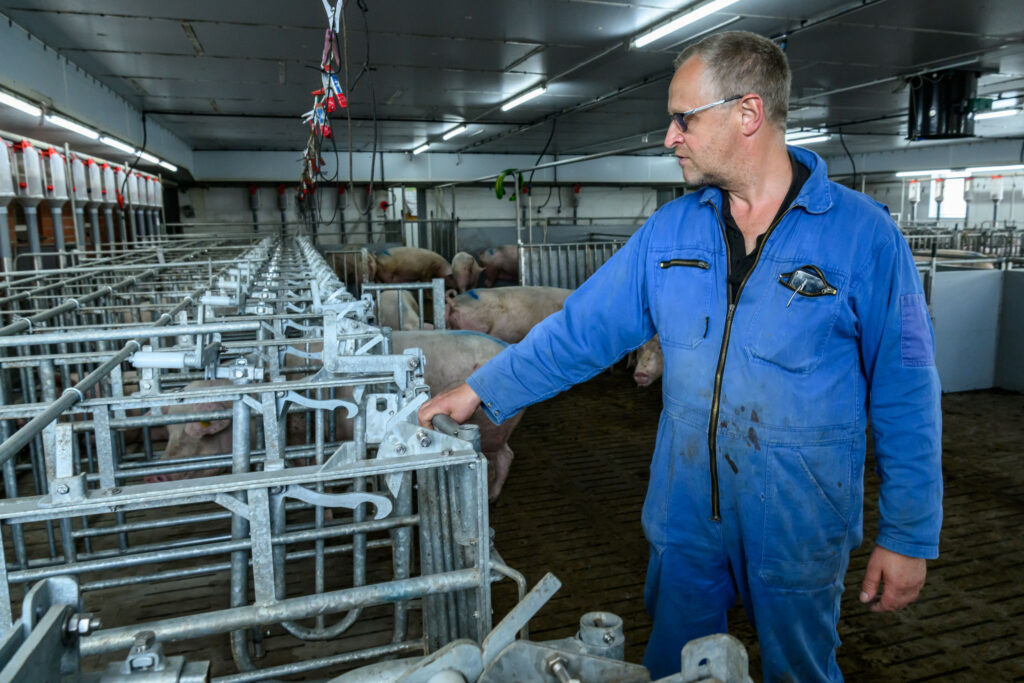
459,403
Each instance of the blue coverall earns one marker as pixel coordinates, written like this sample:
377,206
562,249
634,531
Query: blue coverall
757,478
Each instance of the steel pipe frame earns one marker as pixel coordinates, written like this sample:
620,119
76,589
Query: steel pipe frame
320,269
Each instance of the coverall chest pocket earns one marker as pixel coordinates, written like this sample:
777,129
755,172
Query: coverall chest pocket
683,286
796,311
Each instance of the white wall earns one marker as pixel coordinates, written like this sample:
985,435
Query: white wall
474,206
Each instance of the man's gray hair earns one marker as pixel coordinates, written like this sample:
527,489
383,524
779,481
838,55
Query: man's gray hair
740,62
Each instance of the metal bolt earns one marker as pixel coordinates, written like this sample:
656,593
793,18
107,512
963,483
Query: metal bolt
63,489
556,665
114,491
413,362
401,449
144,640
82,624
608,638
146,384
423,438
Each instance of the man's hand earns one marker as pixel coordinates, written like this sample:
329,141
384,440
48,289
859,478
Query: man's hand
458,402
901,577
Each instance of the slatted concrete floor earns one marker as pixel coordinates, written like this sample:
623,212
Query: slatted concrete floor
572,506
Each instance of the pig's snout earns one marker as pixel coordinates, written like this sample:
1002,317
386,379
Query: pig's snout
642,379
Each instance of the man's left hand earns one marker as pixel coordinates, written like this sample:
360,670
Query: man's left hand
900,577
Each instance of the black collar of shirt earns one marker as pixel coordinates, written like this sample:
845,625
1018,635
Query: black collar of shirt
740,262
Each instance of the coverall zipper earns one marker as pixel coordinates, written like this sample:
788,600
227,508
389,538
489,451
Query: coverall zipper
716,512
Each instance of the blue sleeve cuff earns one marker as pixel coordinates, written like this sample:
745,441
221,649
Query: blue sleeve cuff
492,407
926,552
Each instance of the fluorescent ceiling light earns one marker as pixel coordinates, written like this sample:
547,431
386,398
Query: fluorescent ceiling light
525,97
169,166
911,174
72,126
679,22
995,114
792,135
147,157
117,144
20,105
811,140
422,148
453,132
996,169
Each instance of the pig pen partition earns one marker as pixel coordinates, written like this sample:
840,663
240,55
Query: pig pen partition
97,360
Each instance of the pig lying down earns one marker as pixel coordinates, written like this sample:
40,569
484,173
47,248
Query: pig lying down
507,313
451,357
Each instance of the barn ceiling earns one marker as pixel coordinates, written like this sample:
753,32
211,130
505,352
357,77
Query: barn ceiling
237,75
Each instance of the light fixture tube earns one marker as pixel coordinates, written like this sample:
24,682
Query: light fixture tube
800,134
995,114
811,140
911,174
453,132
72,126
996,169
169,166
679,22
117,144
20,105
145,156
525,97
422,148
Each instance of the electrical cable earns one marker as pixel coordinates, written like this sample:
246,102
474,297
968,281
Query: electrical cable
842,141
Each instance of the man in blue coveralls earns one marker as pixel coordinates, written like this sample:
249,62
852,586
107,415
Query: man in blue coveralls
789,311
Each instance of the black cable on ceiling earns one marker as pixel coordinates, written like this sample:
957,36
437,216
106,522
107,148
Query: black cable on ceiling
842,141
131,167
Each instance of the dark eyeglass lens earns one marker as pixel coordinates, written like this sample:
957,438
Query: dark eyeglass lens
807,282
680,121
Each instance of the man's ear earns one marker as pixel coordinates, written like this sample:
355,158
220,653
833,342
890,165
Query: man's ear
752,117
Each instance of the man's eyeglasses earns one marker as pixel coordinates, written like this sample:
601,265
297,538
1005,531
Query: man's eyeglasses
680,118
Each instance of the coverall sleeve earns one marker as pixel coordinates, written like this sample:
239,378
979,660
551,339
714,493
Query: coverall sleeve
904,398
599,323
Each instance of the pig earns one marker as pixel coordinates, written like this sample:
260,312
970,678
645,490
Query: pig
649,363
408,264
194,439
507,313
499,263
452,356
387,314
465,272
353,269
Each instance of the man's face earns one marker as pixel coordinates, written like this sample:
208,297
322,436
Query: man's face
703,150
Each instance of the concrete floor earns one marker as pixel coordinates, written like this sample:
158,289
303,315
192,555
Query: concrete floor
572,506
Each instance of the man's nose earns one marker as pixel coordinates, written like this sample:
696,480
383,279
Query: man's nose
673,136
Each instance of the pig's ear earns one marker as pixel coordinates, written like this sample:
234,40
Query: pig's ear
631,359
207,427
